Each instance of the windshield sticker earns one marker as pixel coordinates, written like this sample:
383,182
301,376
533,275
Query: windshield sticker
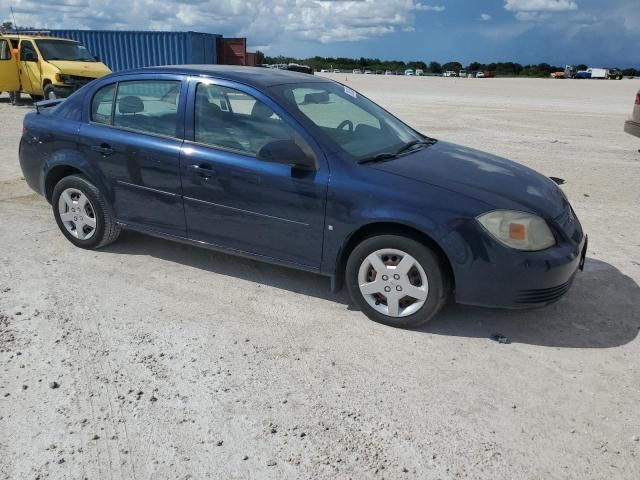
351,93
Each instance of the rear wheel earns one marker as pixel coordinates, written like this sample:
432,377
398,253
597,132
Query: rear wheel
82,213
396,281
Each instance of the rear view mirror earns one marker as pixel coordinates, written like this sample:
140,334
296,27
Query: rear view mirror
287,152
317,97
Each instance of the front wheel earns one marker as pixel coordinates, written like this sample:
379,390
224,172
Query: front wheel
83,214
396,280
49,92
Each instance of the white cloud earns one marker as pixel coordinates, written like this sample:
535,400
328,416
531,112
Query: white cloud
262,21
485,17
540,5
429,8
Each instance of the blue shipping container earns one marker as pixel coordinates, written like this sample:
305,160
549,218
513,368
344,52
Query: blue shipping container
123,50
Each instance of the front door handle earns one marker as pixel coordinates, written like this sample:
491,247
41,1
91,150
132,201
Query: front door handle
202,170
103,149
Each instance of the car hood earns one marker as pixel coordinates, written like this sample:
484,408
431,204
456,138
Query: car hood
496,181
81,69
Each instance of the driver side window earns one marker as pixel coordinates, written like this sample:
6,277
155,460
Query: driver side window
27,50
231,119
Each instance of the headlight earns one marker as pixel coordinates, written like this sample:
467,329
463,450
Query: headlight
519,230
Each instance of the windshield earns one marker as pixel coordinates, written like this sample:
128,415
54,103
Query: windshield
64,50
354,124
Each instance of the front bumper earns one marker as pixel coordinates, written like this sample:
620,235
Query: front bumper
489,274
63,91
632,128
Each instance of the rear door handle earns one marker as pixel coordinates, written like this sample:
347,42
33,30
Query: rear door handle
104,149
203,170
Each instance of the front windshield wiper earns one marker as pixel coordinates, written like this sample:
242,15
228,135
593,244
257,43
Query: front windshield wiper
388,155
413,143
378,158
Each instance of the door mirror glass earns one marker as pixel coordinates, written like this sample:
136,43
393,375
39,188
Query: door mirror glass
287,152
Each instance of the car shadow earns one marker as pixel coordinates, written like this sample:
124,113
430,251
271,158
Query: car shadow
25,101
600,310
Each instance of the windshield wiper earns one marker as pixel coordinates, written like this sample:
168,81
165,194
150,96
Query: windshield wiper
378,158
413,143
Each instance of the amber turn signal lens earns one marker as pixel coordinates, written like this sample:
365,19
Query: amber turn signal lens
517,231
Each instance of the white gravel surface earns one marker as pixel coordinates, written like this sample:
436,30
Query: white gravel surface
170,361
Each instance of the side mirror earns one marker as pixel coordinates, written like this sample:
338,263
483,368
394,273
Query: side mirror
287,152
97,58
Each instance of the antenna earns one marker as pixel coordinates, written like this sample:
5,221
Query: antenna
15,26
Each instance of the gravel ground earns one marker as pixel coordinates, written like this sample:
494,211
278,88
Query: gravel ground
151,359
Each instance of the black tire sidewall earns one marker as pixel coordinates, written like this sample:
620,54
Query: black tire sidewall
47,88
427,259
91,192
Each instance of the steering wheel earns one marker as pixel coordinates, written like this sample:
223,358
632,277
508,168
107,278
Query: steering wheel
346,123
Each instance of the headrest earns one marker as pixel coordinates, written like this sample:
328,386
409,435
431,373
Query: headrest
260,110
130,104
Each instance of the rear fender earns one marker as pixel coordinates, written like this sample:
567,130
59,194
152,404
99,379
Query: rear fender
63,162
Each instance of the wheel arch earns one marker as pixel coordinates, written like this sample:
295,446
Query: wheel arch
55,174
388,228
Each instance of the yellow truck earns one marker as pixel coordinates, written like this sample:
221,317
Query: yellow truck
46,67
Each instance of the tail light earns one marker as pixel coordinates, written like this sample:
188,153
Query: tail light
638,99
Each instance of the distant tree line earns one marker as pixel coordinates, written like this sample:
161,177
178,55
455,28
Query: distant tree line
510,69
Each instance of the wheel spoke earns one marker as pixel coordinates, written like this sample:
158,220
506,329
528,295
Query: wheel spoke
67,199
90,222
376,263
393,305
371,288
79,230
67,217
405,265
82,202
415,292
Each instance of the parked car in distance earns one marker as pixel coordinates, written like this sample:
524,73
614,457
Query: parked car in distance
46,67
305,172
408,72
324,70
632,126
614,74
449,73
462,73
336,70
582,75
357,71
419,72
368,72
388,72
479,74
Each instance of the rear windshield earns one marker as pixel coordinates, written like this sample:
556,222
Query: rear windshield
64,50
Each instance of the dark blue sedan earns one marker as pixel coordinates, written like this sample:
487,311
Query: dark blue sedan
305,172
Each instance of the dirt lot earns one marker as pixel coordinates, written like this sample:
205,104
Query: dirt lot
150,359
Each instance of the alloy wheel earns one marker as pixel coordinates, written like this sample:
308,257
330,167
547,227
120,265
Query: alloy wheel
393,282
77,214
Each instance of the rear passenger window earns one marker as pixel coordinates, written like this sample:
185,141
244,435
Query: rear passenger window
102,104
148,106
228,118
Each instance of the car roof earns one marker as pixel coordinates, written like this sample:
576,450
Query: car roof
252,76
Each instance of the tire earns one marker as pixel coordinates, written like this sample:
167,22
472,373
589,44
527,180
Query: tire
49,92
87,224
425,278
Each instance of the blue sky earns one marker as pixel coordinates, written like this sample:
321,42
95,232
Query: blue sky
595,32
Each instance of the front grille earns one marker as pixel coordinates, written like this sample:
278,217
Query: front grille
77,80
543,295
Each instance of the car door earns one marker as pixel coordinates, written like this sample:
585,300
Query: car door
233,199
29,68
134,136
9,80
